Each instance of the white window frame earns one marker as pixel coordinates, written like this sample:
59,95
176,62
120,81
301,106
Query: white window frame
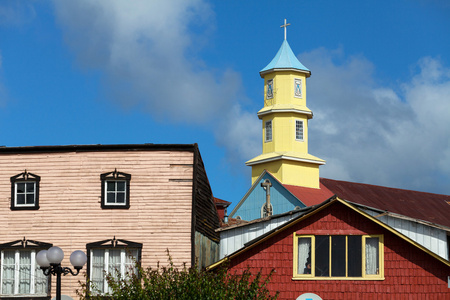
123,257
269,95
115,192
298,92
302,130
17,274
25,193
268,134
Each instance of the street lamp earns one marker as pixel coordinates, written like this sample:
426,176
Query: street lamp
50,263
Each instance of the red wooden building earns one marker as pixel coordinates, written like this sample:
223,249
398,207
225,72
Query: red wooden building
337,251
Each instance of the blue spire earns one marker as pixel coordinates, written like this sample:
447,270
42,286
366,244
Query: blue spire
285,59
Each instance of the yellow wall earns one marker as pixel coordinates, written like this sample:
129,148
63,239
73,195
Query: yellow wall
290,172
283,133
283,88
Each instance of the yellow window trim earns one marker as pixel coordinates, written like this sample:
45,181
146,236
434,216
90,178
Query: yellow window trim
364,276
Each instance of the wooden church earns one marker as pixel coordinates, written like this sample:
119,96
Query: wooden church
329,239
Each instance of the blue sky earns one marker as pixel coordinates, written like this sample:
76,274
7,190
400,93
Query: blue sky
112,72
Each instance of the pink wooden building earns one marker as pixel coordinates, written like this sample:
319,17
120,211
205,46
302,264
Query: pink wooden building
107,200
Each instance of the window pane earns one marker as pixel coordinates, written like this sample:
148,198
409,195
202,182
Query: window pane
40,281
354,256
121,186
24,272
97,269
110,186
268,131
304,256
20,199
8,272
20,187
372,264
322,253
114,264
30,187
130,261
299,130
338,255
30,198
120,197
110,197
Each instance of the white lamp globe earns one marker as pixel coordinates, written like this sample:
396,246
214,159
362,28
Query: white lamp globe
55,255
78,258
41,259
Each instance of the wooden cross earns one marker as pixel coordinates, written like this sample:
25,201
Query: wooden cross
285,25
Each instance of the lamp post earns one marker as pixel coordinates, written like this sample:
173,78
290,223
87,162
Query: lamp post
50,263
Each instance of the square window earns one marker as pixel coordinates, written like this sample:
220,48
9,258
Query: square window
115,190
25,191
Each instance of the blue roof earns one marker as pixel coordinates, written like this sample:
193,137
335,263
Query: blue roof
285,59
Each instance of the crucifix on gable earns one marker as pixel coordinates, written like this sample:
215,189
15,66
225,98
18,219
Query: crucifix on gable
267,209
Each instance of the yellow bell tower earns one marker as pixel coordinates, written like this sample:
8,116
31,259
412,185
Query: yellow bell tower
285,122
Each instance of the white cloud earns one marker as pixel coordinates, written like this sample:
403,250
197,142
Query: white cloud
148,52
240,133
16,13
395,136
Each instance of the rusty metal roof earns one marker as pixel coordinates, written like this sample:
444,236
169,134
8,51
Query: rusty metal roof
310,196
433,208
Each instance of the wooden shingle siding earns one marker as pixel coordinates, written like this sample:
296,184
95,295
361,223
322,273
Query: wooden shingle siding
409,272
70,213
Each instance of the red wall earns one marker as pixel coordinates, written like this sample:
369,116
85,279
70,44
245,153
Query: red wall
409,272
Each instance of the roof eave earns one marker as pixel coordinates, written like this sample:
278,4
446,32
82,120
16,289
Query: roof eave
286,158
262,73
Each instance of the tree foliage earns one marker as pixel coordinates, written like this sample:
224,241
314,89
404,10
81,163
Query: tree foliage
169,282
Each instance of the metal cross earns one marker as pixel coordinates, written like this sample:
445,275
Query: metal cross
285,25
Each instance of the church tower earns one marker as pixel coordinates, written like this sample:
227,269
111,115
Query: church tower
285,122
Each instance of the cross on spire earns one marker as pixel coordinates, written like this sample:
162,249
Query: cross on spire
285,25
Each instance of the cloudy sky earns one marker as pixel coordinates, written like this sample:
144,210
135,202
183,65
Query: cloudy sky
112,72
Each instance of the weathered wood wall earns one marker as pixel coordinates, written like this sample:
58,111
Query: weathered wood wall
70,214
205,219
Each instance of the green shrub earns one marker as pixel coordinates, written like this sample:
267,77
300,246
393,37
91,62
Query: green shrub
168,282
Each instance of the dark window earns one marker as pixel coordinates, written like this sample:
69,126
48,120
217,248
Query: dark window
115,190
25,191
338,256
354,250
322,256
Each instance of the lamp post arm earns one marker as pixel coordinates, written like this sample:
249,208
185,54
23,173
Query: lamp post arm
66,271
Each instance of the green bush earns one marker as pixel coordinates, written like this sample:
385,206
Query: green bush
169,282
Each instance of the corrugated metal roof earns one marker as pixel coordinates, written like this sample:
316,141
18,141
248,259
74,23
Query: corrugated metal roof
428,207
310,196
